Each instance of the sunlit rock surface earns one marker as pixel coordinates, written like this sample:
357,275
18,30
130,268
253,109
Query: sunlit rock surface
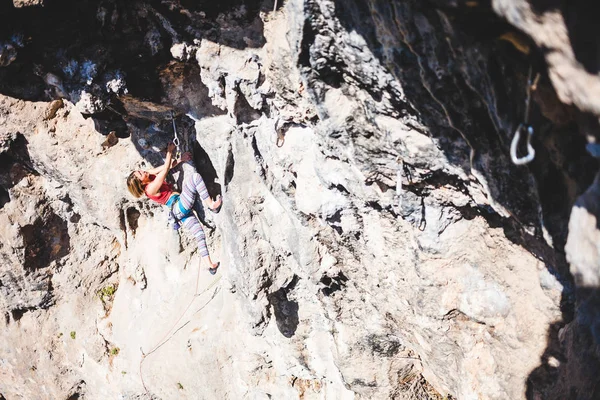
376,241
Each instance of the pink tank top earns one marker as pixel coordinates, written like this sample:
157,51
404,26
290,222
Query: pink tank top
165,191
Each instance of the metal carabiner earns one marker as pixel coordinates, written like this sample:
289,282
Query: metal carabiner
515,142
280,139
175,137
531,85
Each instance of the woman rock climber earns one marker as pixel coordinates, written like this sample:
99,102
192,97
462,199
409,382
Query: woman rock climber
152,184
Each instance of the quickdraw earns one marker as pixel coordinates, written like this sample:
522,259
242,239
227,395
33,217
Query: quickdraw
525,126
280,139
176,141
530,150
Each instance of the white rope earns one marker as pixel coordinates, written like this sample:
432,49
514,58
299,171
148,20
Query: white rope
166,337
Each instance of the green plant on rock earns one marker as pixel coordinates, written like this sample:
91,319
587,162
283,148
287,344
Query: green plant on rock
73,334
179,386
114,351
107,292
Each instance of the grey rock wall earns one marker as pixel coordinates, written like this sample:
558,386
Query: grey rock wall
375,239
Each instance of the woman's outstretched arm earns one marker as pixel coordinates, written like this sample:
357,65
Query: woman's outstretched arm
187,156
154,171
154,186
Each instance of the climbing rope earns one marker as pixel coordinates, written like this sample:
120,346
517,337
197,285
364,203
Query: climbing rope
166,337
175,137
524,126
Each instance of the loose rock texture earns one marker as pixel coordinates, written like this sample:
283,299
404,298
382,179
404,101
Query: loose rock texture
375,240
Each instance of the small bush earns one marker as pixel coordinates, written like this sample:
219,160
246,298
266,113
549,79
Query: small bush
107,292
73,334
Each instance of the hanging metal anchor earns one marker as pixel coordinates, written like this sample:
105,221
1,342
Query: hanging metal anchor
515,142
525,127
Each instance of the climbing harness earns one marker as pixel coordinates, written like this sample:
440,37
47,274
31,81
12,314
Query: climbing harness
525,127
177,222
168,337
175,137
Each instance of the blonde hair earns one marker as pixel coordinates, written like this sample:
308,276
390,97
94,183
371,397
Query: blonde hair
135,185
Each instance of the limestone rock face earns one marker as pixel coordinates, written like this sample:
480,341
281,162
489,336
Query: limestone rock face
375,240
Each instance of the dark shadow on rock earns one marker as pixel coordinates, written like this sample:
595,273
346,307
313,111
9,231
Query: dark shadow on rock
333,284
243,111
206,169
285,310
229,167
77,391
581,22
133,216
108,121
46,240
570,365
244,30
95,39
15,164
4,197
582,25
542,6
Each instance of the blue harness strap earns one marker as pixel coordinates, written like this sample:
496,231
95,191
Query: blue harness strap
172,200
185,214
